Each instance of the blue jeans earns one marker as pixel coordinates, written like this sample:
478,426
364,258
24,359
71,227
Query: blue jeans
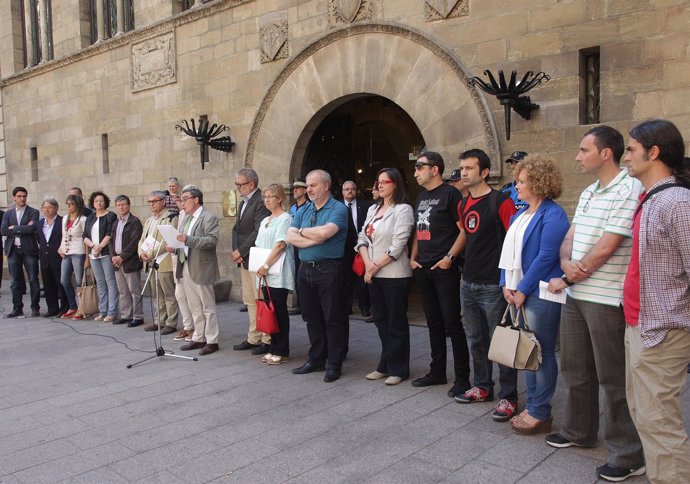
71,263
483,306
17,261
544,318
104,272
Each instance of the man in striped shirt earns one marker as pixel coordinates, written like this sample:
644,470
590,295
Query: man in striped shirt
594,258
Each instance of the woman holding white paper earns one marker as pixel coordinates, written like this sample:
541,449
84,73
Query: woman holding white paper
272,233
531,254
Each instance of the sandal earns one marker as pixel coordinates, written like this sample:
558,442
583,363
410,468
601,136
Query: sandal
523,428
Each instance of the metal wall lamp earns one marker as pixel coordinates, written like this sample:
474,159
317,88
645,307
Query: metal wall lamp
205,135
510,94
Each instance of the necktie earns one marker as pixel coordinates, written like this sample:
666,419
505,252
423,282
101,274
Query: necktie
352,214
185,227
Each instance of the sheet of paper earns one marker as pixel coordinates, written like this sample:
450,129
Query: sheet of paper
257,258
549,296
161,256
170,234
148,244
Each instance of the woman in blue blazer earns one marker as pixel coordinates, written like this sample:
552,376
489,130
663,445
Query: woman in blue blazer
531,254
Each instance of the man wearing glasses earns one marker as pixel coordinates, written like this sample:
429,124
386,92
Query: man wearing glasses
197,264
435,249
251,212
594,258
151,245
319,231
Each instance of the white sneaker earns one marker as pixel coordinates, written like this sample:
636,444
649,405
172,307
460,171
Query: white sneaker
376,375
393,380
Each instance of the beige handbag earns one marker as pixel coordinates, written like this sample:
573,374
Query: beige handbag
87,294
513,346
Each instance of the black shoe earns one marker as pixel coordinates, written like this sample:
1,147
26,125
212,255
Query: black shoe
294,311
135,322
428,380
308,367
122,321
458,388
243,309
17,313
244,345
51,315
617,474
35,312
331,375
560,442
261,349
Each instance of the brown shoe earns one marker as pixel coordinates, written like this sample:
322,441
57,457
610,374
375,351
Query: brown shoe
150,327
208,349
194,345
182,334
168,330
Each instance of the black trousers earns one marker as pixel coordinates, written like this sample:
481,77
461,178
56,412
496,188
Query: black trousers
389,310
56,299
441,303
323,308
280,342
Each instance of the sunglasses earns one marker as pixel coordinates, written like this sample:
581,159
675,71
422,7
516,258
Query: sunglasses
420,164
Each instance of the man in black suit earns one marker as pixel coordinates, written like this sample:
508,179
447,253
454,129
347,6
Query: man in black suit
49,235
21,249
251,212
358,213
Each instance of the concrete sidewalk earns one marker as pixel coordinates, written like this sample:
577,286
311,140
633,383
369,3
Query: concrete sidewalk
71,411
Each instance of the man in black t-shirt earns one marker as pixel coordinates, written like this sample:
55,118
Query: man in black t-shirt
485,217
435,248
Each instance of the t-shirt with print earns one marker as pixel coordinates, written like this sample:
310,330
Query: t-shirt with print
483,245
436,220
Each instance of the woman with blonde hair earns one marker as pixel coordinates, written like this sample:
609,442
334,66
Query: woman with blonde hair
72,251
272,233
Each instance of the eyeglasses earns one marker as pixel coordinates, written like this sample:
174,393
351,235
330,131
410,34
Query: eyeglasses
586,207
268,197
240,185
154,201
420,164
384,182
184,199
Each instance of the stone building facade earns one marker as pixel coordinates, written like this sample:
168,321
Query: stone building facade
91,90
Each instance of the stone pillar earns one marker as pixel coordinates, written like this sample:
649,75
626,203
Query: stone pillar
43,30
100,27
120,16
29,35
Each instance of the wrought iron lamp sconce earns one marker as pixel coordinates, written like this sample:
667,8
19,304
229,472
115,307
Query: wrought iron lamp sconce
205,135
510,94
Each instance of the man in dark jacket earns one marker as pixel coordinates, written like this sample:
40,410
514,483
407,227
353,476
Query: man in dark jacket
49,235
19,226
123,246
251,212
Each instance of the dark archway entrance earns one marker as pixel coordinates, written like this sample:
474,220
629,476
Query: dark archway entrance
360,136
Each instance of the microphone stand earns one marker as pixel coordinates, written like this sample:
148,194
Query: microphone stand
157,338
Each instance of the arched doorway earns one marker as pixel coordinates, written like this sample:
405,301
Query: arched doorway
354,137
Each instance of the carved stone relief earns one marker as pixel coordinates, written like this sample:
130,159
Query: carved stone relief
442,9
273,31
154,62
345,12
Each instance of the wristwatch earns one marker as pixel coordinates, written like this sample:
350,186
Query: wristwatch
265,266
566,280
299,232
450,256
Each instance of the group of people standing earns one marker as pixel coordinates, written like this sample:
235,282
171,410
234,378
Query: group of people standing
623,262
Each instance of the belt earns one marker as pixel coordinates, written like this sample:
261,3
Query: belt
319,263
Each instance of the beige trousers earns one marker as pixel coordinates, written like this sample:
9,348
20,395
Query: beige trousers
167,303
202,304
183,305
654,379
249,294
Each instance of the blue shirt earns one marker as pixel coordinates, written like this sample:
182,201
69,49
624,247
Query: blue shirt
509,189
334,212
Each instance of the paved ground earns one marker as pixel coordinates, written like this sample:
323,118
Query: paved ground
71,411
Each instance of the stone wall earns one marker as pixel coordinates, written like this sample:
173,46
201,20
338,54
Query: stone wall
223,67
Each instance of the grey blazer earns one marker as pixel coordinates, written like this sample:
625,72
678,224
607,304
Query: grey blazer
246,229
390,238
202,242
